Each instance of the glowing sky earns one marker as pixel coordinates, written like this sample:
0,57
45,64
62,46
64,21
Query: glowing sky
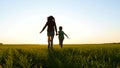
84,21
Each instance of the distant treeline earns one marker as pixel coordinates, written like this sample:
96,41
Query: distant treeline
113,43
116,43
1,43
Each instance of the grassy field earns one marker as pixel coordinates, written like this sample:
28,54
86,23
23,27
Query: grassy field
70,56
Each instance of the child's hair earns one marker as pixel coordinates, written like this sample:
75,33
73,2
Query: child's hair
60,28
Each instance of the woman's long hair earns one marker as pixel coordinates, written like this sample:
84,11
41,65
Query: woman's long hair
50,19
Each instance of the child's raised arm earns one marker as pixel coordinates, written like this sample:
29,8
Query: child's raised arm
66,36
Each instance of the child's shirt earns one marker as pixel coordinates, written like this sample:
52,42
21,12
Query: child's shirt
61,34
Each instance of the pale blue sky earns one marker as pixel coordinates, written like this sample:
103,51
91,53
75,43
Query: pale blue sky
85,21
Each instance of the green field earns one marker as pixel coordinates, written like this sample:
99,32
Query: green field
70,56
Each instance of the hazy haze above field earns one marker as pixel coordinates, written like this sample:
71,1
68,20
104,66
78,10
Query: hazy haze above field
85,21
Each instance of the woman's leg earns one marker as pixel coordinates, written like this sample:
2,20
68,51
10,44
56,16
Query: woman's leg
48,41
52,41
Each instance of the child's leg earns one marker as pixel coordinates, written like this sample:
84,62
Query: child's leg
59,41
62,43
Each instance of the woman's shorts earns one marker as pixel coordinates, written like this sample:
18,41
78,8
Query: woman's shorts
50,33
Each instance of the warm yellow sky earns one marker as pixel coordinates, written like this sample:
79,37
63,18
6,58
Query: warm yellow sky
89,21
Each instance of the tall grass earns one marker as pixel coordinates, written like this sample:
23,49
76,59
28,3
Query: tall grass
68,57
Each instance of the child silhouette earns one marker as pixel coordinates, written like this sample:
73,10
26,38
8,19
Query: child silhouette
61,36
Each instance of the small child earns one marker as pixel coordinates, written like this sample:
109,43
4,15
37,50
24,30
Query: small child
61,36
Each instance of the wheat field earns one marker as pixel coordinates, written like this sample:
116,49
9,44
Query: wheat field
70,56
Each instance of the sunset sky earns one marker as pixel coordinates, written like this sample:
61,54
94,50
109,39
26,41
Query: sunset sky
84,21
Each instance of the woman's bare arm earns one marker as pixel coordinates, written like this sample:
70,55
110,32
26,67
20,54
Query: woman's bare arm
43,28
56,29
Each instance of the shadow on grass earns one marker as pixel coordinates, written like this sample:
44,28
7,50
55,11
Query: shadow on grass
53,61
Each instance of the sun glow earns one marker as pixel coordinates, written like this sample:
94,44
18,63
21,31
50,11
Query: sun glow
83,21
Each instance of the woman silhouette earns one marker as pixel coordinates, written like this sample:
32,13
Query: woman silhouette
51,27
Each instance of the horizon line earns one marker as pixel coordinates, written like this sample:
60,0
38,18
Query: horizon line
53,44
